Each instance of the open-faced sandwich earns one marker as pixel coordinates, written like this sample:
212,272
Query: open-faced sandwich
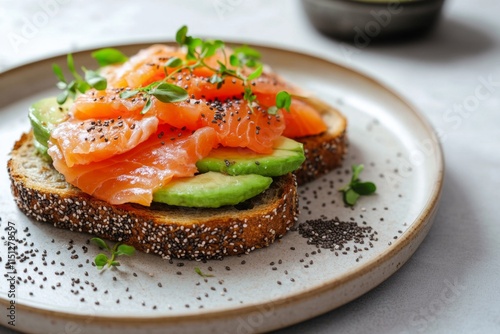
190,151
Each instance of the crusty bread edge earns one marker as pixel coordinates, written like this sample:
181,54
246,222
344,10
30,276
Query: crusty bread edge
170,232
326,151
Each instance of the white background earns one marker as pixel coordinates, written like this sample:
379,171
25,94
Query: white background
440,74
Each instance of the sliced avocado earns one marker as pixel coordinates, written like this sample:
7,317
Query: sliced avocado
284,143
42,149
45,115
211,190
286,157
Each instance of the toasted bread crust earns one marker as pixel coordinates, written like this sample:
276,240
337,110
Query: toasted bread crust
326,151
171,232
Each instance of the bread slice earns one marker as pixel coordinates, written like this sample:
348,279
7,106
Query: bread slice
324,152
169,231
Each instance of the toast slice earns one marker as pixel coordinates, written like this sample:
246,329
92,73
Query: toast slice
169,231
324,152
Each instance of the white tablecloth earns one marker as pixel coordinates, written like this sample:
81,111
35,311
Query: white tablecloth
452,76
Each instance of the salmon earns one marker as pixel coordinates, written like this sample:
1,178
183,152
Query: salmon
133,176
82,142
302,120
142,69
112,150
148,66
236,124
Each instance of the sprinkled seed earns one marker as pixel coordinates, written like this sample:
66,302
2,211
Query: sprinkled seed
334,234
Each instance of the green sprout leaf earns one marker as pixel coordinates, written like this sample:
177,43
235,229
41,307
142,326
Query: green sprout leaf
128,93
351,197
62,85
78,85
62,97
95,80
180,36
125,250
199,272
216,79
364,188
234,60
58,72
247,56
356,170
71,66
167,93
257,73
147,106
249,96
100,261
173,62
247,52
272,110
283,100
101,243
81,86
355,189
209,48
109,56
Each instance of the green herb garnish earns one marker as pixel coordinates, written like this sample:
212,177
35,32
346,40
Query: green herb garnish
242,59
283,100
199,272
109,56
356,188
163,91
78,84
198,51
101,260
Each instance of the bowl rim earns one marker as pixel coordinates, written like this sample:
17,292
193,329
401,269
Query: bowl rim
377,3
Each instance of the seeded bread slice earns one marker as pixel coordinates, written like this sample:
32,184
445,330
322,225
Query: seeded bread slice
324,152
169,231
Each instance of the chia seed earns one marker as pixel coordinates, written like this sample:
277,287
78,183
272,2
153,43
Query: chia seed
334,234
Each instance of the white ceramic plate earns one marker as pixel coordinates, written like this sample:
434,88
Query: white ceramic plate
59,291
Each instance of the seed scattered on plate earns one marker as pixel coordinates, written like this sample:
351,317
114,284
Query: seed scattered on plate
334,234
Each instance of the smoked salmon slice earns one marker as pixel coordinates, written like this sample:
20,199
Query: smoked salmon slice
148,66
142,69
302,120
132,177
236,124
82,142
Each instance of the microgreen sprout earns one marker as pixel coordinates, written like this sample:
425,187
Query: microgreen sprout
356,188
199,272
243,64
109,56
102,260
198,51
283,101
79,84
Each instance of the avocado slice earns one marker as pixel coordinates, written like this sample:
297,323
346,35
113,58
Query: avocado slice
284,143
287,156
211,190
42,149
44,116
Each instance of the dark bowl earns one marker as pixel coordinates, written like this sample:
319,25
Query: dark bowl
359,21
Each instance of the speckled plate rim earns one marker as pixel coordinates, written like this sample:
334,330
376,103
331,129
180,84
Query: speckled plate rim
420,226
